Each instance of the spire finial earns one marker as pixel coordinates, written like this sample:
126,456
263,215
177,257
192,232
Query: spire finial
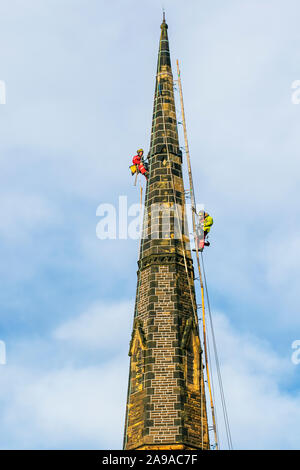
164,24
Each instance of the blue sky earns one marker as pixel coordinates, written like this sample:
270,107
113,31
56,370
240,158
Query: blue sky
80,82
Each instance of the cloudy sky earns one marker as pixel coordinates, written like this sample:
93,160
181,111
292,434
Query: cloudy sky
79,81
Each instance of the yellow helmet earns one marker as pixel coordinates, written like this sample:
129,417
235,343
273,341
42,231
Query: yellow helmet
140,150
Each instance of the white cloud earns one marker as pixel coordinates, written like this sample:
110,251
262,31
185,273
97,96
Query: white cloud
69,402
103,325
56,409
262,412
83,406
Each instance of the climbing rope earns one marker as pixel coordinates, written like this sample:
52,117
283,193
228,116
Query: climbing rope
206,341
223,401
193,203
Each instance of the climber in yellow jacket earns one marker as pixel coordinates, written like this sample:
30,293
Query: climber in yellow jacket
205,223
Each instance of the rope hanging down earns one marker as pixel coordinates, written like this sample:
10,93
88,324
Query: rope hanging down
227,427
193,202
226,420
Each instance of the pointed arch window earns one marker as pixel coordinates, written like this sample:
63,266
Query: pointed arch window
137,368
192,351
137,353
190,369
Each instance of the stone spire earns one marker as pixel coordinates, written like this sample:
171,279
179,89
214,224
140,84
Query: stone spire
166,406
165,184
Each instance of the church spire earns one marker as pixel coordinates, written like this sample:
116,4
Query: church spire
166,406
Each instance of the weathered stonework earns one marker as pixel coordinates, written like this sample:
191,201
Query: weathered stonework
166,406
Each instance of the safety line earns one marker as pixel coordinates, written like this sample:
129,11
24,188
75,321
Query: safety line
197,257
223,401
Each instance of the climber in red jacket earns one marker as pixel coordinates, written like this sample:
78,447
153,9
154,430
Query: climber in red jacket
141,166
